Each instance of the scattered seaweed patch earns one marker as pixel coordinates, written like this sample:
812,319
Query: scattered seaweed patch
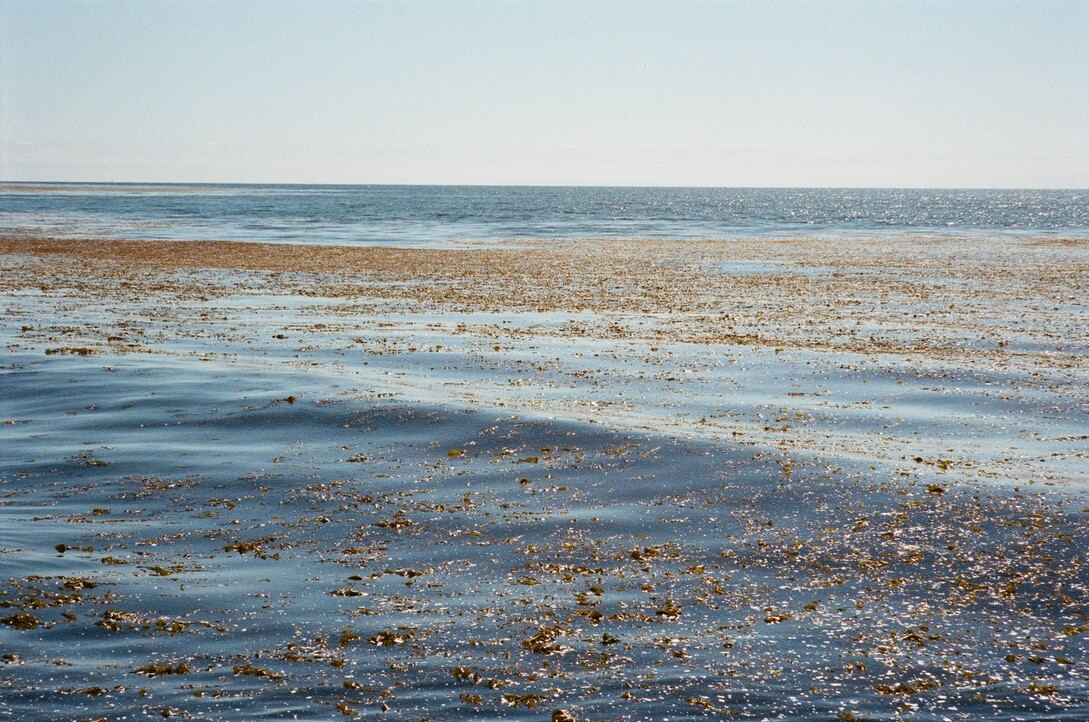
796,496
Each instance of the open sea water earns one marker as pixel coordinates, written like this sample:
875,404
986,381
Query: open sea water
427,215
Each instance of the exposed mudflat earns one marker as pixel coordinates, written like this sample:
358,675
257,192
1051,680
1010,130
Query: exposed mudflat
622,479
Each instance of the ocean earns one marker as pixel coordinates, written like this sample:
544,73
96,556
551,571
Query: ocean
543,453
427,215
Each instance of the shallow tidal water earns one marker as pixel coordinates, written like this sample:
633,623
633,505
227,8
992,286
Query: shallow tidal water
342,557
233,493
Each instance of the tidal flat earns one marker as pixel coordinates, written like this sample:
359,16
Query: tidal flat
801,479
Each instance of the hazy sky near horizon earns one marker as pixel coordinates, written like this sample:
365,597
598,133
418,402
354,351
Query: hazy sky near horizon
782,93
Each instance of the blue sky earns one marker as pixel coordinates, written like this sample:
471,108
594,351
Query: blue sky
946,94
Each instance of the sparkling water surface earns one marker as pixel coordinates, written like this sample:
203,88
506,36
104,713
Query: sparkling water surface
425,215
227,494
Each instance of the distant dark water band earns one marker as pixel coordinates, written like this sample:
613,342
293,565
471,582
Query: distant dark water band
430,214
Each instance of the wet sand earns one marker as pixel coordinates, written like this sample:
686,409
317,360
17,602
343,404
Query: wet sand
624,479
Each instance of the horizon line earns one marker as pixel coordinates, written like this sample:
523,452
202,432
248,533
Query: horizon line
538,185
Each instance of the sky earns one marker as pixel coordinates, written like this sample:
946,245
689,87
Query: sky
686,93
